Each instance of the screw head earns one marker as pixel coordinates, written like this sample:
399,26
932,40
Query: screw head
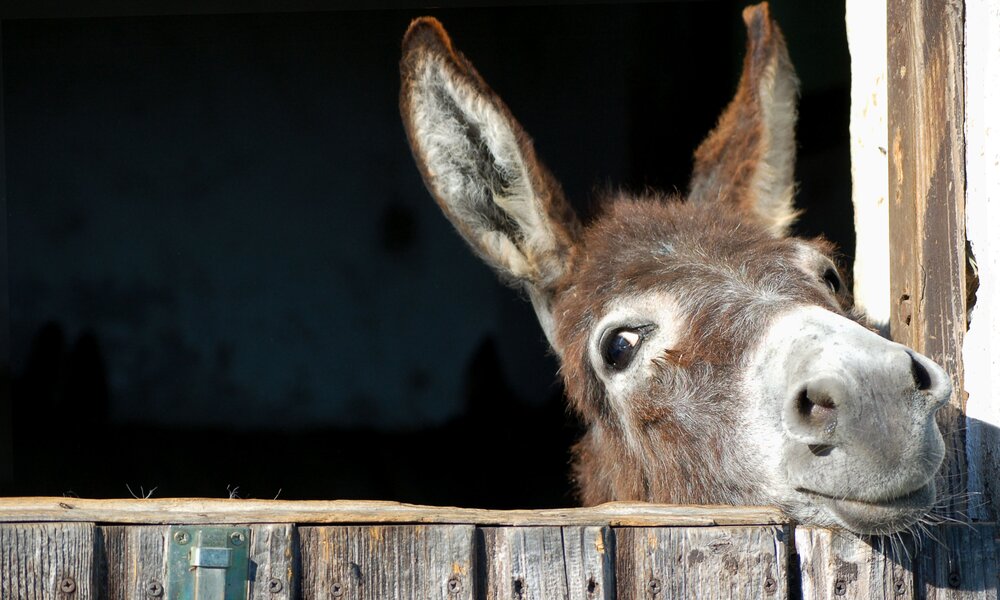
154,588
454,585
954,579
274,585
181,537
336,590
840,587
236,538
67,585
770,585
654,586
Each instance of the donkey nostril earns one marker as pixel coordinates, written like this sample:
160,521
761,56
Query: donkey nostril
804,404
921,377
814,405
810,416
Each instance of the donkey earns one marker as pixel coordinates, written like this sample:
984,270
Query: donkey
712,358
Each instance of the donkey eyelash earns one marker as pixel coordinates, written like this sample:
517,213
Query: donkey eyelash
832,279
618,357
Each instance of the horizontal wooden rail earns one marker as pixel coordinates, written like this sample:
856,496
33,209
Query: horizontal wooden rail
76,549
158,511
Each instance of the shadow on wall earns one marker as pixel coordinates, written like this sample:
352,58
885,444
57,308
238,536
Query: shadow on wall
500,453
225,269
961,557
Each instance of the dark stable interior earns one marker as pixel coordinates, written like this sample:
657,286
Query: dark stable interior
226,278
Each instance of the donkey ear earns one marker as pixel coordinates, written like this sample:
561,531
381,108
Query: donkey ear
481,168
748,161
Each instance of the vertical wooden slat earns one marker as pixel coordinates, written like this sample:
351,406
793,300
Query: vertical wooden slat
838,565
590,554
133,561
274,563
47,561
542,563
962,564
704,563
927,200
431,561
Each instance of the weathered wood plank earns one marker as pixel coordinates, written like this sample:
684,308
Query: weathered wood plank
837,565
274,562
377,562
963,564
206,511
132,561
46,561
927,202
590,555
724,562
542,563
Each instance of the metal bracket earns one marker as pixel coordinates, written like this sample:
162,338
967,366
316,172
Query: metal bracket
207,563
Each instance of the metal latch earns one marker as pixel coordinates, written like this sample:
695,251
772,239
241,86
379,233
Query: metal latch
207,563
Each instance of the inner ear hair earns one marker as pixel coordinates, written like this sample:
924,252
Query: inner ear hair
479,164
481,168
748,161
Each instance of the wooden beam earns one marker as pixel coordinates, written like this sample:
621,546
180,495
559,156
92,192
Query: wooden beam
927,202
206,510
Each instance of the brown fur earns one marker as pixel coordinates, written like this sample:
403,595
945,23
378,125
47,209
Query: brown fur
427,39
716,254
727,161
712,250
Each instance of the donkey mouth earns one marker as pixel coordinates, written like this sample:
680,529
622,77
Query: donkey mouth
878,516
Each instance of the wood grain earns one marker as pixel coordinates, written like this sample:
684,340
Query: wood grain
274,562
453,562
722,562
132,563
837,565
541,563
45,561
962,564
377,562
200,510
927,202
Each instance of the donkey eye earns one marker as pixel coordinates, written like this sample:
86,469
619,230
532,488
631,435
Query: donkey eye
619,347
832,280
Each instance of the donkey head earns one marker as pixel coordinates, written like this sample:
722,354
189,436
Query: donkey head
712,358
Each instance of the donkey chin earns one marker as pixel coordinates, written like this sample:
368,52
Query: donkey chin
851,416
